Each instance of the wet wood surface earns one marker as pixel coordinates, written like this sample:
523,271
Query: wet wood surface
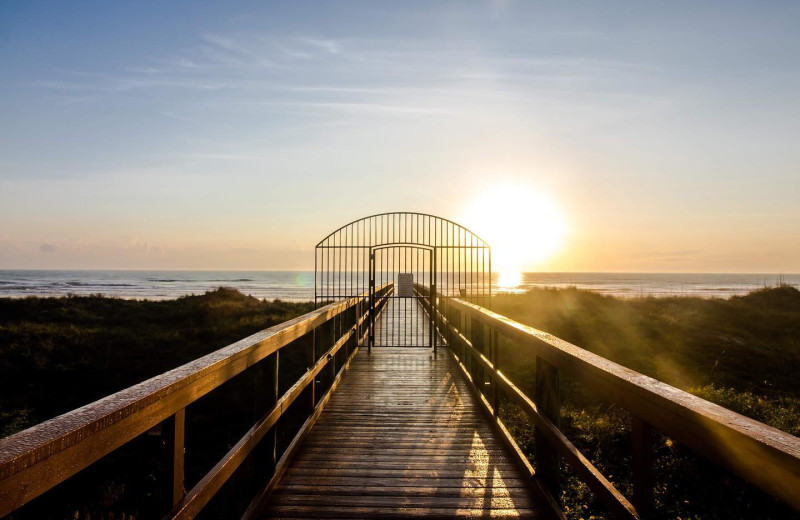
403,437
403,323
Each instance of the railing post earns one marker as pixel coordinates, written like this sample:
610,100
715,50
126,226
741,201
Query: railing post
478,341
549,405
272,388
256,469
495,358
173,431
461,328
312,359
642,461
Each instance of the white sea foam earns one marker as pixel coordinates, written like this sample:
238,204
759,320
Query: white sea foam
299,285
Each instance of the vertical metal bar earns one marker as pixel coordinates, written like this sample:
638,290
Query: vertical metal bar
406,300
417,280
350,269
327,270
457,236
451,243
371,341
491,280
483,276
432,282
471,268
316,252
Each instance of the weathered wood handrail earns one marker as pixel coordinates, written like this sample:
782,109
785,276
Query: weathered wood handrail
35,460
764,456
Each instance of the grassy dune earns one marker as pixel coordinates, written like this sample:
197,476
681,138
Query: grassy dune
742,353
61,353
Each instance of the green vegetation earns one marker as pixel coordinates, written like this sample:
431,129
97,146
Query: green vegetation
61,353
742,353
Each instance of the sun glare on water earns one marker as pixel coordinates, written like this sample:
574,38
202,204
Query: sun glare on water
524,228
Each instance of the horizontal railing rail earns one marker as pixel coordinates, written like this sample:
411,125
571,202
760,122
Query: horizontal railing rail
762,455
37,459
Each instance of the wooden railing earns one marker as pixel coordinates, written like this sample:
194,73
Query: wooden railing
37,459
764,456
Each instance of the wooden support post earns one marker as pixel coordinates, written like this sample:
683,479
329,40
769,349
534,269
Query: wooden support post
255,471
549,404
477,338
312,359
173,431
494,352
272,390
642,460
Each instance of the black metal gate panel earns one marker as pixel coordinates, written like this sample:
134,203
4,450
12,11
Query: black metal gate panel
404,322
393,261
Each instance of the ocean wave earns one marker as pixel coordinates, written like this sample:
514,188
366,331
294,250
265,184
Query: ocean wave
95,284
195,280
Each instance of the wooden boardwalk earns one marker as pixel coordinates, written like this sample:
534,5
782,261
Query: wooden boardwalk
403,323
403,437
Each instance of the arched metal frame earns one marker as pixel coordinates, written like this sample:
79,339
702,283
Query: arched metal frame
371,251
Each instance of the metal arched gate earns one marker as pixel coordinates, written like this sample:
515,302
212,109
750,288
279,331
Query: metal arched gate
393,261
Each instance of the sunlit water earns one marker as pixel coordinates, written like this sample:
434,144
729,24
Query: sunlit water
299,285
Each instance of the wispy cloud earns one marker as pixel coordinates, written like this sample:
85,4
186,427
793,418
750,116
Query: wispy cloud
329,46
232,53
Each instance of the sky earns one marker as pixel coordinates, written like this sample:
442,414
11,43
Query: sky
234,135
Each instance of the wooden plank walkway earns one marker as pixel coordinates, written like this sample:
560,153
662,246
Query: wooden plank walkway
403,323
403,437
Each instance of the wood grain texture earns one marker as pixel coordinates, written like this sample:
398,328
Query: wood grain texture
403,437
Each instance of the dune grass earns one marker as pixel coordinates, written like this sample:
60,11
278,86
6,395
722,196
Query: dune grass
742,353
61,353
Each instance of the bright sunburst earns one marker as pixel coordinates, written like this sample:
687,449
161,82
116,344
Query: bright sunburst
523,226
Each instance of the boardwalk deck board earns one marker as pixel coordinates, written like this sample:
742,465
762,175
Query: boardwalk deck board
403,437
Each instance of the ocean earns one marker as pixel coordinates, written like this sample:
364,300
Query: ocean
299,285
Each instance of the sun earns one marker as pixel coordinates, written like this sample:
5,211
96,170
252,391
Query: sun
523,226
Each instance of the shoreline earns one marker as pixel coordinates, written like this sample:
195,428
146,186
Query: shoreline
299,286
629,295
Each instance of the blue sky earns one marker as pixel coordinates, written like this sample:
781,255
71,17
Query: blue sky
235,134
